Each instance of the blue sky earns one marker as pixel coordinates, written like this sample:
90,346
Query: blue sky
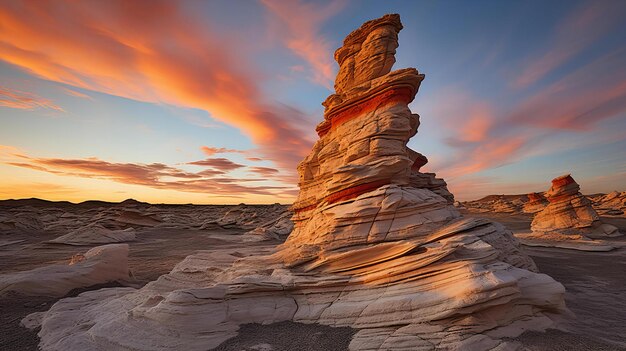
117,100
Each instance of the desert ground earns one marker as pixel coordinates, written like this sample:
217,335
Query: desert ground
594,280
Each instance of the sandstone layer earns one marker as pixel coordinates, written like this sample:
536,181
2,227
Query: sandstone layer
95,234
611,204
377,245
99,265
536,202
569,221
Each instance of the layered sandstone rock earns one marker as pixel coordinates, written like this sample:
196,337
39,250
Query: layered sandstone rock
376,245
247,217
611,204
95,234
275,229
497,203
569,220
536,202
101,264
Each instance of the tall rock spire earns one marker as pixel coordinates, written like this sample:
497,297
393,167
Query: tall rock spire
377,246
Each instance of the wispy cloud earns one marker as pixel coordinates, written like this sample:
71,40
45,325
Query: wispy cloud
154,175
167,57
575,33
579,100
25,101
303,21
264,171
210,151
78,94
222,164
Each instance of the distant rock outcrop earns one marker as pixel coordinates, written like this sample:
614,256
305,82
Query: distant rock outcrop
95,234
611,204
377,245
536,202
569,220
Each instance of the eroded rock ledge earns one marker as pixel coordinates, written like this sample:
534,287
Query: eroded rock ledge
376,245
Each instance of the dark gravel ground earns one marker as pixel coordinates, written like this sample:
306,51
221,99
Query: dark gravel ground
556,340
289,336
12,309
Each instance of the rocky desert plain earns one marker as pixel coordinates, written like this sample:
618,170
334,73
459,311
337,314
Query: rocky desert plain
374,254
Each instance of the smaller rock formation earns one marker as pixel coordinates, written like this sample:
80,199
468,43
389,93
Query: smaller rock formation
101,264
246,217
95,234
611,204
504,206
275,229
137,218
536,202
569,221
496,203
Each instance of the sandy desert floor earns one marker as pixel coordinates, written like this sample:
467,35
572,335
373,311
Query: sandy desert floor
596,289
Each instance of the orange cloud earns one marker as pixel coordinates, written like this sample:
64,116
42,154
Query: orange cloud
485,137
210,151
167,57
77,94
154,175
264,171
577,32
221,164
490,154
303,21
25,101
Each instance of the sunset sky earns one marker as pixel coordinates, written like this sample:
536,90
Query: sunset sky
217,101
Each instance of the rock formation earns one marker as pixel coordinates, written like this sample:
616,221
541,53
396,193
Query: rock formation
497,203
99,265
568,220
275,229
536,202
137,218
611,204
246,217
376,245
95,234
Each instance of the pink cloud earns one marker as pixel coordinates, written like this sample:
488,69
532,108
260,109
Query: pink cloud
303,21
25,101
210,151
581,99
485,136
577,32
221,164
75,93
264,171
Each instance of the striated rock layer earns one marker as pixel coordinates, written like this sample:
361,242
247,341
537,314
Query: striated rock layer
611,204
569,220
377,246
95,234
101,264
536,202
